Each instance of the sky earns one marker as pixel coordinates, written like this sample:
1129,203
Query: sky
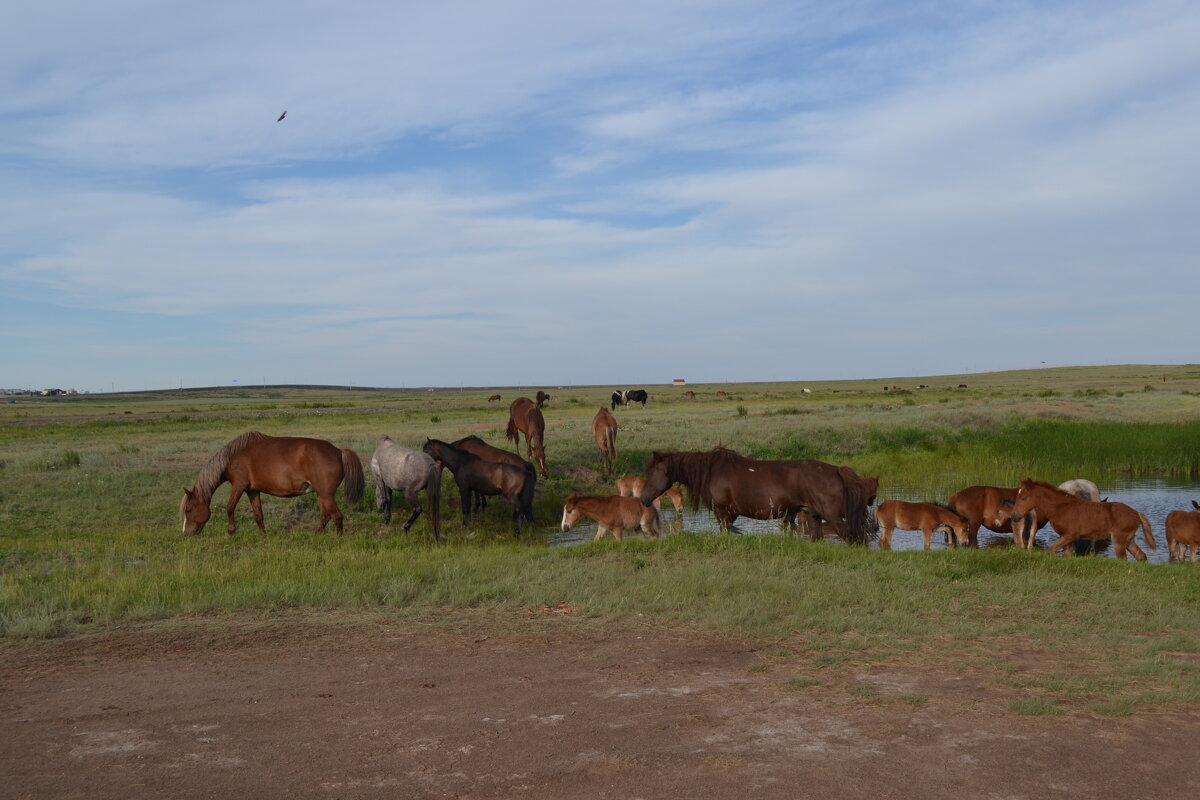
548,193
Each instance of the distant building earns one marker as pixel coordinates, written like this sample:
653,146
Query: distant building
679,382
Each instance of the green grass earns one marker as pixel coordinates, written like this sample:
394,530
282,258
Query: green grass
89,528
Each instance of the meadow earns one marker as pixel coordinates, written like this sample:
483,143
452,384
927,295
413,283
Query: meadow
90,532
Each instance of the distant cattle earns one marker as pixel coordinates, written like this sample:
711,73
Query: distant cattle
618,399
636,396
962,386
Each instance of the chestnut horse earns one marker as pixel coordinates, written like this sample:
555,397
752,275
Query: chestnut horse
732,486
1183,533
604,431
612,513
923,517
991,507
1075,518
631,486
525,417
282,466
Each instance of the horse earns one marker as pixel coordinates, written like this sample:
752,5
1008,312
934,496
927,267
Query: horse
525,417
631,486
410,471
282,466
1075,518
618,399
604,431
614,512
474,474
732,486
541,398
473,444
991,507
494,398
923,517
635,396
1183,533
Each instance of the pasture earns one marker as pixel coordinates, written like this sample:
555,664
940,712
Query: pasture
91,543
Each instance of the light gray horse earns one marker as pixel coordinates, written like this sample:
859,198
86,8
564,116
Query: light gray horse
1081,487
409,471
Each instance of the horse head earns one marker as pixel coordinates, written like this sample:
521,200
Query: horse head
658,478
195,512
570,512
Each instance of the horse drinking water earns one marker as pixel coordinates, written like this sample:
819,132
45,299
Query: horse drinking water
282,466
612,513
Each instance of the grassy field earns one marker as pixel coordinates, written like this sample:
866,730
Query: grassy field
89,527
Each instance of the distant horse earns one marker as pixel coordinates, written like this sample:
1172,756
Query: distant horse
689,394
524,417
541,398
410,471
474,474
618,399
1075,518
635,396
473,444
1183,533
923,517
732,486
631,486
494,398
604,431
613,513
283,466
721,394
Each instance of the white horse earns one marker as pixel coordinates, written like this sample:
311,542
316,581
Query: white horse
397,467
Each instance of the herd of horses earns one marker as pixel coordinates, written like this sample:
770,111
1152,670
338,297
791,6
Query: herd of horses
806,495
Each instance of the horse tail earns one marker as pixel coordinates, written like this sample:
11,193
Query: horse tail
610,436
353,479
511,431
433,494
381,487
854,500
1149,534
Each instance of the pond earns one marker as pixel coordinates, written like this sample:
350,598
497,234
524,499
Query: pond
1154,498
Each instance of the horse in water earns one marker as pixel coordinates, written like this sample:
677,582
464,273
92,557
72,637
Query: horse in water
732,486
923,517
991,508
476,475
1183,533
525,417
282,466
1075,518
409,471
473,444
631,486
613,513
604,431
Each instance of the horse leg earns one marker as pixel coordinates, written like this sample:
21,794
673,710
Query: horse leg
600,531
329,510
927,535
1130,545
415,503
235,494
618,532
256,507
464,500
385,505
1061,544
885,538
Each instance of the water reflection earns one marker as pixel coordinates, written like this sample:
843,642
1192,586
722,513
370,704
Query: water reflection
1154,498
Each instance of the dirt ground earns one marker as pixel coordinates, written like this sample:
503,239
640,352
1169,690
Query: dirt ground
394,711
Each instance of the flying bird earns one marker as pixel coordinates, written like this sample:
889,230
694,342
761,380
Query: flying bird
281,116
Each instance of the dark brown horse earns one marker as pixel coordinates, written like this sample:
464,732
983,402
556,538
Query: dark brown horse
732,486
476,475
494,398
525,417
473,444
283,466
541,398
1075,518
604,430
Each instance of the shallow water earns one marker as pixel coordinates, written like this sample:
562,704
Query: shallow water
1153,498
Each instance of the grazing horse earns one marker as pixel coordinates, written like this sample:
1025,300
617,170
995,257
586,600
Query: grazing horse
474,474
604,431
494,398
1183,533
283,466
541,398
631,486
613,513
923,517
1075,518
473,444
732,486
635,396
410,471
525,417
618,399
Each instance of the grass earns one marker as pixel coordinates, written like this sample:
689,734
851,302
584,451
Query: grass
89,538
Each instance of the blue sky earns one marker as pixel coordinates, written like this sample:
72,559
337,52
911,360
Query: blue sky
548,193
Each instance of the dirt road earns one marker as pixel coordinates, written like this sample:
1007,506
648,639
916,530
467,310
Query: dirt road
392,712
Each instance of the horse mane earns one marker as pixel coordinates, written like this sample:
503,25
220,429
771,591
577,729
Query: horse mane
694,470
211,474
1051,487
952,510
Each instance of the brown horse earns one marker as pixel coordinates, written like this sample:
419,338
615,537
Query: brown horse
612,513
923,517
494,398
733,486
283,466
604,431
542,398
1075,518
1183,533
991,507
473,444
476,476
525,417
631,486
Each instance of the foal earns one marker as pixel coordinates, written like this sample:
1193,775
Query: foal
923,517
615,513
1183,533
631,486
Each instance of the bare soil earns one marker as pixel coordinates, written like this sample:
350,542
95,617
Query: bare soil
395,710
